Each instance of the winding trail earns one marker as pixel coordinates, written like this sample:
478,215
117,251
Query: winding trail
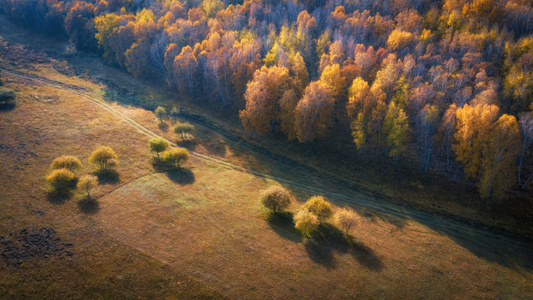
475,236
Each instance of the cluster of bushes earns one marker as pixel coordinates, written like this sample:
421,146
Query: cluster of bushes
6,95
183,129
62,178
311,214
173,156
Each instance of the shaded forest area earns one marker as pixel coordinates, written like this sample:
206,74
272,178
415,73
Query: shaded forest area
452,79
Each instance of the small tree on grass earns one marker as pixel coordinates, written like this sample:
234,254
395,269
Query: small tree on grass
68,162
158,145
174,112
276,198
318,206
306,222
6,95
160,113
104,158
176,157
183,129
59,179
86,183
346,219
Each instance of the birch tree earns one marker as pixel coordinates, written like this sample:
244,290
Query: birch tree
313,112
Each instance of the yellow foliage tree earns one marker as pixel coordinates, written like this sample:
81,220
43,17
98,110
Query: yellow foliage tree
396,129
184,129
104,157
86,183
272,57
359,131
59,179
176,157
359,98
211,7
276,198
486,9
331,77
104,28
161,113
474,123
68,162
318,206
399,39
299,74
375,125
499,157
346,219
306,221
361,102
388,75
158,145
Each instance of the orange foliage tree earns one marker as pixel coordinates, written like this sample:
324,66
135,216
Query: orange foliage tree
185,66
313,112
262,99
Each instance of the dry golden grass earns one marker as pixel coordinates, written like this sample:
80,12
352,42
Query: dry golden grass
214,228
153,232
33,134
202,232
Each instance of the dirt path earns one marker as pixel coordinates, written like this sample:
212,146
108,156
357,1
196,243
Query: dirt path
478,238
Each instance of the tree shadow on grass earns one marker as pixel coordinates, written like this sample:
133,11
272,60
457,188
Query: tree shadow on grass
478,238
163,126
320,253
160,165
330,235
107,176
215,147
89,205
182,176
324,242
5,107
189,144
371,216
282,223
58,197
364,255
328,239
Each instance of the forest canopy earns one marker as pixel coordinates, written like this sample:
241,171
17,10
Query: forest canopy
451,77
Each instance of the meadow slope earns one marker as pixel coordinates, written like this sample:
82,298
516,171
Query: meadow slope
202,232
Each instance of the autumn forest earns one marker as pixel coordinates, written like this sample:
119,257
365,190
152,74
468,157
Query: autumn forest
452,79
266,149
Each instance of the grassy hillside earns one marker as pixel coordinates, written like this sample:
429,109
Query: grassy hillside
51,248
202,233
